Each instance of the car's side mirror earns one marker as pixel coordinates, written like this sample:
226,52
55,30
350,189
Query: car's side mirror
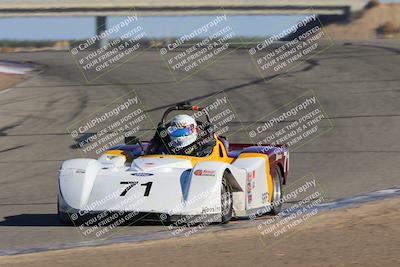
131,140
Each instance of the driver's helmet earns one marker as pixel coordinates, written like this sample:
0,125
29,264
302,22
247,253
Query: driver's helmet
183,131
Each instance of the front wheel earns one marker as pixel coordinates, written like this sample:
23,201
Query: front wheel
63,217
226,201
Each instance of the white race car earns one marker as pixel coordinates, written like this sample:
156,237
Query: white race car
233,180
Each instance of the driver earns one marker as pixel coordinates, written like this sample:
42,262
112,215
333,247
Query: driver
185,138
183,133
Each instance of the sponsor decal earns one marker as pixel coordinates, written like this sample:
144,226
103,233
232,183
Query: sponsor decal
204,172
264,197
198,172
249,198
142,174
210,210
250,185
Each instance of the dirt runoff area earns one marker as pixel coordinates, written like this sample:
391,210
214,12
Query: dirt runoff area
367,235
9,80
365,26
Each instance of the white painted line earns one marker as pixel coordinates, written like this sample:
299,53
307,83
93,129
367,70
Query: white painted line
4,91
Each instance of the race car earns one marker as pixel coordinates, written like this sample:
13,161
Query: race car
230,181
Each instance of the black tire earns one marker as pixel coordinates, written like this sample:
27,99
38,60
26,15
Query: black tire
226,201
276,192
63,217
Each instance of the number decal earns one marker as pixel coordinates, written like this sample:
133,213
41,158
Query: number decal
148,187
131,184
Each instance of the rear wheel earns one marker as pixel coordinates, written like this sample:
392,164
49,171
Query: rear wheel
226,201
276,192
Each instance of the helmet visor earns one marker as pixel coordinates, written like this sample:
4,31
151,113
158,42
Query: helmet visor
173,131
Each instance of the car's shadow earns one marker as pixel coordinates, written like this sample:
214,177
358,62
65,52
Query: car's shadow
44,220
31,220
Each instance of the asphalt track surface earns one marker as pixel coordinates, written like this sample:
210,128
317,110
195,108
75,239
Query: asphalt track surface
358,85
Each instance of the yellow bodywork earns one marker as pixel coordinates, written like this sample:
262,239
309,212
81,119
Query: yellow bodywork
267,173
214,156
116,153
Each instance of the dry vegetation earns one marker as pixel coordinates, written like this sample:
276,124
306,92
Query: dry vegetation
377,21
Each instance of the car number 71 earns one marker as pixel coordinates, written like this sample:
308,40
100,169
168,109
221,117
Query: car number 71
131,184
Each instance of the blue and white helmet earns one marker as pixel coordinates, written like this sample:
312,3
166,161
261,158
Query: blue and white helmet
183,131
